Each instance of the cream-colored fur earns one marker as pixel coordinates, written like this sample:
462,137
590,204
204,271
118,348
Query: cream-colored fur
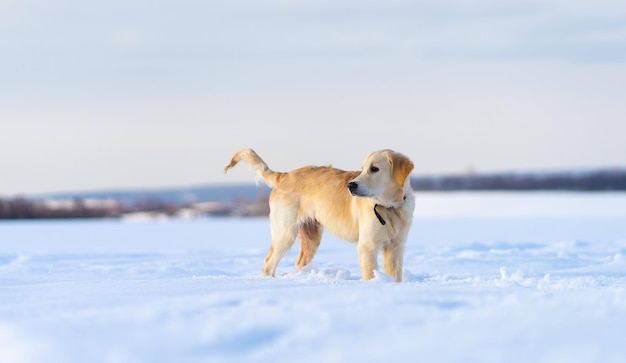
372,207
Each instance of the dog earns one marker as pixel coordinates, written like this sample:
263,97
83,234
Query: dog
372,207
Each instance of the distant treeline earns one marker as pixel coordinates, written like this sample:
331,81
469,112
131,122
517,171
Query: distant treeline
602,180
22,208
220,201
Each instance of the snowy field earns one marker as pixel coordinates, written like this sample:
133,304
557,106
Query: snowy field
490,277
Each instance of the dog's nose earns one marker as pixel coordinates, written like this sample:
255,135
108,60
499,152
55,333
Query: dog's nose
352,186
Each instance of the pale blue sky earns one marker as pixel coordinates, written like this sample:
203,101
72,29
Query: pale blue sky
139,93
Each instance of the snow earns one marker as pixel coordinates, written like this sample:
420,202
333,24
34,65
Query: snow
490,277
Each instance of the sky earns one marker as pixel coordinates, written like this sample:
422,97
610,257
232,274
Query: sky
138,93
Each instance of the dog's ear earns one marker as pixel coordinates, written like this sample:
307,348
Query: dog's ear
401,167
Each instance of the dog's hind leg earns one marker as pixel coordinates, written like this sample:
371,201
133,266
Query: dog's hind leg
281,244
310,236
284,231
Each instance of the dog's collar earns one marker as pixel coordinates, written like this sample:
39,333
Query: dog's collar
380,218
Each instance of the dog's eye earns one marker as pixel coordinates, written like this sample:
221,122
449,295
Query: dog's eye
374,169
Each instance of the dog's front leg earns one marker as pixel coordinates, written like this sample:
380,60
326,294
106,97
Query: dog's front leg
368,252
392,259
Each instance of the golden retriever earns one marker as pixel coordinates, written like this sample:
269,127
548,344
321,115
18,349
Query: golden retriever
372,207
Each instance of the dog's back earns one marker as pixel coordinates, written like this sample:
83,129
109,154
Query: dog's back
317,193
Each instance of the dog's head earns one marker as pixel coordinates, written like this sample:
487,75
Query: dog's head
383,177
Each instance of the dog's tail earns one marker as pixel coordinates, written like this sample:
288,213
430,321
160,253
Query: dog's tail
257,164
